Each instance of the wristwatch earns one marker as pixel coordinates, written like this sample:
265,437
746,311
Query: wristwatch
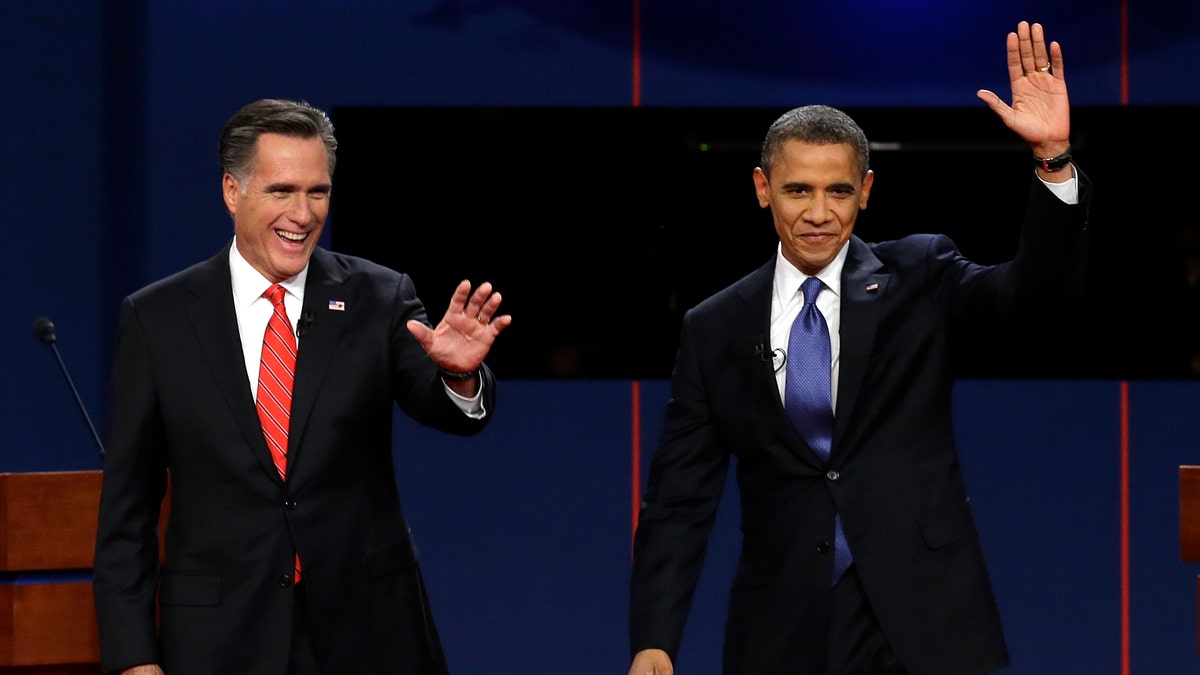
453,376
1053,164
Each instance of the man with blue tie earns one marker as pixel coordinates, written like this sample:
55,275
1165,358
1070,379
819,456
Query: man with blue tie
859,549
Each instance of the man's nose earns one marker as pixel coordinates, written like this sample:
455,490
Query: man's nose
300,211
818,209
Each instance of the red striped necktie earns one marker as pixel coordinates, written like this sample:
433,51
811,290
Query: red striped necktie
276,373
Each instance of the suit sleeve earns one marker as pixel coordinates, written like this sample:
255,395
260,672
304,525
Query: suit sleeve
687,478
1053,252
1048,270
127,550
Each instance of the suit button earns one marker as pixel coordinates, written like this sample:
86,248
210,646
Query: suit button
285,580
832,475
289,505
823,547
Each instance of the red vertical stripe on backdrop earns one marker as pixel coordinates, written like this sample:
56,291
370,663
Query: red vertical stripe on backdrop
637,54
1124,528
1124,52
636,448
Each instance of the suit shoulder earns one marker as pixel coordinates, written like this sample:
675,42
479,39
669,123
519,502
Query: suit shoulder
355,266
755,284
169,285
912,249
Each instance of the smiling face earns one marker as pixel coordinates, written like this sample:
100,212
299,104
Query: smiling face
279,209
815,192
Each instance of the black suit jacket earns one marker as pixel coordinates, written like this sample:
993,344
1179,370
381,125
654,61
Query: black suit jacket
182,407
893,475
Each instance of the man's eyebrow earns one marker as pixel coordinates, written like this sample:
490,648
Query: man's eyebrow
801,185
797,185
292,187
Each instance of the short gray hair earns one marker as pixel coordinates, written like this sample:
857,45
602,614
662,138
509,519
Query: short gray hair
817,124
296,119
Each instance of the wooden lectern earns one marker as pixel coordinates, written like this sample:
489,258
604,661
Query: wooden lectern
1189,520
47,616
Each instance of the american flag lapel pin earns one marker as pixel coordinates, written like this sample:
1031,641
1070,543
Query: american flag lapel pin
337,306
871,288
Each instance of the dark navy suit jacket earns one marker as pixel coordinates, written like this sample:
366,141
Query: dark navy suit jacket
183,413
893,476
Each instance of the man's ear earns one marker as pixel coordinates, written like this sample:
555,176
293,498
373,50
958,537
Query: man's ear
231,191
762,187
865,193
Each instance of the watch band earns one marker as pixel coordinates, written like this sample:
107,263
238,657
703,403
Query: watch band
454,376
1053,164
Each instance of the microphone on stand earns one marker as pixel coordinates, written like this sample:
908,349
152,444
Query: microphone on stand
44,329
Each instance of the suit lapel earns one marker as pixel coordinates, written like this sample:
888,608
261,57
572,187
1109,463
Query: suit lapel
214,321
752,327
863,290
325,285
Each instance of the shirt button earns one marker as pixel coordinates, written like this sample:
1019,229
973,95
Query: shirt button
289,504
285,580
823,547
832,475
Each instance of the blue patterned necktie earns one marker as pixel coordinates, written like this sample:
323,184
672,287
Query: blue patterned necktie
806,394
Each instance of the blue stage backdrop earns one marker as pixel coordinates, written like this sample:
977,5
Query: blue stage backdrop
525,530
112,113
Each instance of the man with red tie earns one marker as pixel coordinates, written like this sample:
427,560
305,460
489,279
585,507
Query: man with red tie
260,384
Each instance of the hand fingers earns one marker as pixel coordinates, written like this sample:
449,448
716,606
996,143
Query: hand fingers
421,332
1015,69
469,301
993,101
1056,61
501,322
461,294
477,303
1025,45
1028,52
1041,59
484,302
489,308
1036,55
480,304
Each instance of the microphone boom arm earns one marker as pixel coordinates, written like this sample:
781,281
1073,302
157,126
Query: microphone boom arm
44,329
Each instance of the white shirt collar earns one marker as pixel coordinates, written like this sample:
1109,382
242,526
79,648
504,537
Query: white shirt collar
249,284
788,278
